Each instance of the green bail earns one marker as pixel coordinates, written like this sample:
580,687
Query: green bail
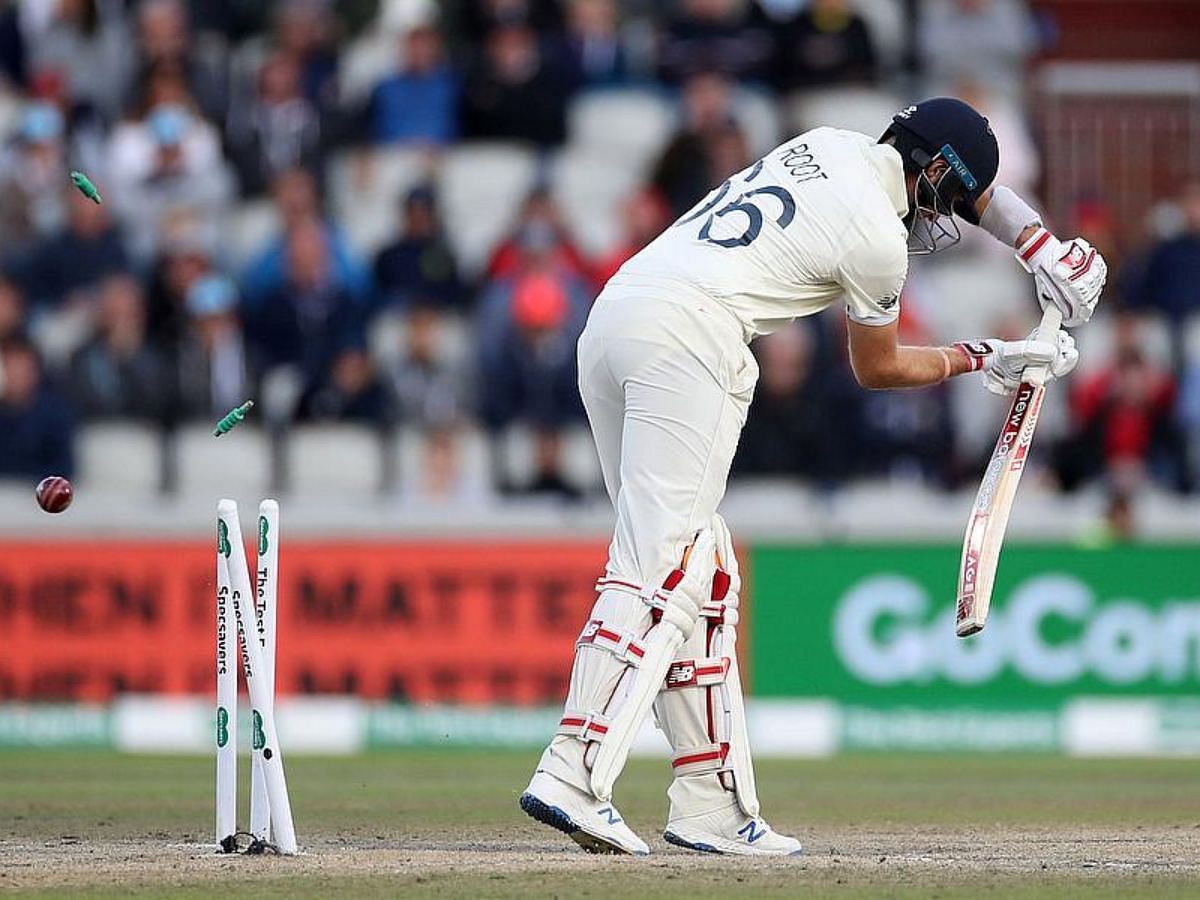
86,187
232,419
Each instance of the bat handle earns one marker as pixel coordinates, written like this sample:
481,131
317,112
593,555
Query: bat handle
1050,324
1047,331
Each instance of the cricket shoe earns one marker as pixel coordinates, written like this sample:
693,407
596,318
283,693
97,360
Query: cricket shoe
595,826
729,830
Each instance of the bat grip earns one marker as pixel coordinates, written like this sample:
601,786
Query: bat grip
1047,331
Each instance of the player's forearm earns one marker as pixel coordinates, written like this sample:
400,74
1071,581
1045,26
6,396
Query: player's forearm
911,367
1007,217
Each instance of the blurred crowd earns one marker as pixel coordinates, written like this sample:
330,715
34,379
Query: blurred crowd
222,264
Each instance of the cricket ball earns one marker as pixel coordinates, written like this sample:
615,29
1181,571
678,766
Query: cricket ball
54,494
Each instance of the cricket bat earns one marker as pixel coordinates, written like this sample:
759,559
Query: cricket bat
993,503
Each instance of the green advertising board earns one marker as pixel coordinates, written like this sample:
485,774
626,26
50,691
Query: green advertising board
872,629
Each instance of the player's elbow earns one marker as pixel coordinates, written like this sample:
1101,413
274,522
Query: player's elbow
874,376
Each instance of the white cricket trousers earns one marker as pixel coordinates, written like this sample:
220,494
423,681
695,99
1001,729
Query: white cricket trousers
666,384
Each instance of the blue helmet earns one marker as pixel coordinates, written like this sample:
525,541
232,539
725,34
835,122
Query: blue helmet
948,129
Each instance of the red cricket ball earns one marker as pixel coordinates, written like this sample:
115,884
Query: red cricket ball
54,494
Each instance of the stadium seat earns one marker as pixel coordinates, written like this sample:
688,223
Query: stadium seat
120,457
581,465
480,187
758,115
472,461
863,109
250,227
516,465
970,294
367,60
514,456
367,187
236,465
387,335
334,461
628,124
590,187
885,21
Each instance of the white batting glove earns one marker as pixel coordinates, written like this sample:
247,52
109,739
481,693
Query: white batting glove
1003,363
1068,274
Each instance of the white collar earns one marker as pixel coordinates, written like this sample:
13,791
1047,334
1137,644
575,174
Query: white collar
889,171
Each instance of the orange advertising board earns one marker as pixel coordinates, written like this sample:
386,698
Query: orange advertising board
441,621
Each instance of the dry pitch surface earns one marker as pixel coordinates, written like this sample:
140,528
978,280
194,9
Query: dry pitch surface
447,825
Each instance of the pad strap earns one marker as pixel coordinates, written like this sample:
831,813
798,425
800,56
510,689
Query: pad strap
592,726
692,673
700,760
622,644
720,613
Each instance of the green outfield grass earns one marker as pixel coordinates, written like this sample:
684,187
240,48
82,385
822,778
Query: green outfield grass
447,824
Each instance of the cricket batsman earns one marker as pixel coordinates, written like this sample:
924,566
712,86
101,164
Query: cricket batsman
666,376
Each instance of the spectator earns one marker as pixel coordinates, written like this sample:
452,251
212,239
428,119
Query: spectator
800,423
644,216
826,43
74,43
351,391
1189,417
163,39
513,93
419,266
12,309
987,40
1170,276
297,201
695,160
279,130
117,373
480,17
216,369
532,323
166,160
185,256
419,103
595,53
13,68
33,170
1123,423
37,427
305,30
59,268
428,388
726,37
539,238
311,316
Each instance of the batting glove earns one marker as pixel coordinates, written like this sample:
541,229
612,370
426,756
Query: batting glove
1070,275
1003,363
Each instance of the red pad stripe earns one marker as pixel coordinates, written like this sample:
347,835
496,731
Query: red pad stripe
1036,246
707,756
578,723
616,639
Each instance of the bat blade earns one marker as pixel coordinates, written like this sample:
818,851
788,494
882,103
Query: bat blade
993,505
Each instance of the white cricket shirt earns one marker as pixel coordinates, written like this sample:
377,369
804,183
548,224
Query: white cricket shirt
815,220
